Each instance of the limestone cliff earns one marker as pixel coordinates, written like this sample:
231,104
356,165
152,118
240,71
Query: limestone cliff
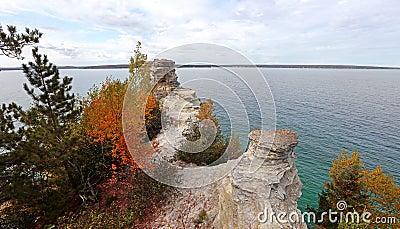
179,106
243,197
162,72
265,179
274,187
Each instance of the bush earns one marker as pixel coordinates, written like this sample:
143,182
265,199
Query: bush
214,153
153,117
126,202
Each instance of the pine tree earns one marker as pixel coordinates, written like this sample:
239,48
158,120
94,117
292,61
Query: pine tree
36,175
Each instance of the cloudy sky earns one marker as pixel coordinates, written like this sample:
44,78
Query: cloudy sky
86,32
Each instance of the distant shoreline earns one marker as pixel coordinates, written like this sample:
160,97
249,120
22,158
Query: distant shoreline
313,66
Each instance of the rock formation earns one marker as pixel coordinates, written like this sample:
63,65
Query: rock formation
162,72
246,197
179,106
179,110
264,182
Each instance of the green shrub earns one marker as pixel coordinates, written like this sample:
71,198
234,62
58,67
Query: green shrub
202,217
218,152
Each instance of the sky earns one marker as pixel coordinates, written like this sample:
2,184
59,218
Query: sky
89,32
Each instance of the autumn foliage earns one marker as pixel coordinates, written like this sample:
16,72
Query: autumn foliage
122,116
103,114
102,119
384,195
363,190
206,112
56,156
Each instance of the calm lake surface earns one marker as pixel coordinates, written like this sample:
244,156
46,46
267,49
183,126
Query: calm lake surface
332,110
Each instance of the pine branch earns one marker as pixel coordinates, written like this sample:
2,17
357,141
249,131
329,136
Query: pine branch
12,43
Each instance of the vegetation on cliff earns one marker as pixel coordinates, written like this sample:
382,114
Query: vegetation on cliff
214,153
363,190
65,162
63,154
38,163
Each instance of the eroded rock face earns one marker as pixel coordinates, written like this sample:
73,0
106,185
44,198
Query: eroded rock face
162,72
179,107
179,110
264,181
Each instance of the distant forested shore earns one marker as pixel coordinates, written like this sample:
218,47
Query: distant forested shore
122,66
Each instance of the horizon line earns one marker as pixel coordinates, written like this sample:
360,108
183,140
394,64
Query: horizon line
318,66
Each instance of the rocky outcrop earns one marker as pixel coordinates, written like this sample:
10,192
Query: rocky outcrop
179,110
263,185
162,73
179,107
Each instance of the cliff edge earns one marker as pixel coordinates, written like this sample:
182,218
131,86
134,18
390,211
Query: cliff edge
264,184
254,197
245,198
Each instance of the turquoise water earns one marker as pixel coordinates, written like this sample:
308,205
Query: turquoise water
336,110
331,110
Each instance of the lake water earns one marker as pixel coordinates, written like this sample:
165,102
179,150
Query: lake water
332,110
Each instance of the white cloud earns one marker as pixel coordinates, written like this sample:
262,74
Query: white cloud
267,31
